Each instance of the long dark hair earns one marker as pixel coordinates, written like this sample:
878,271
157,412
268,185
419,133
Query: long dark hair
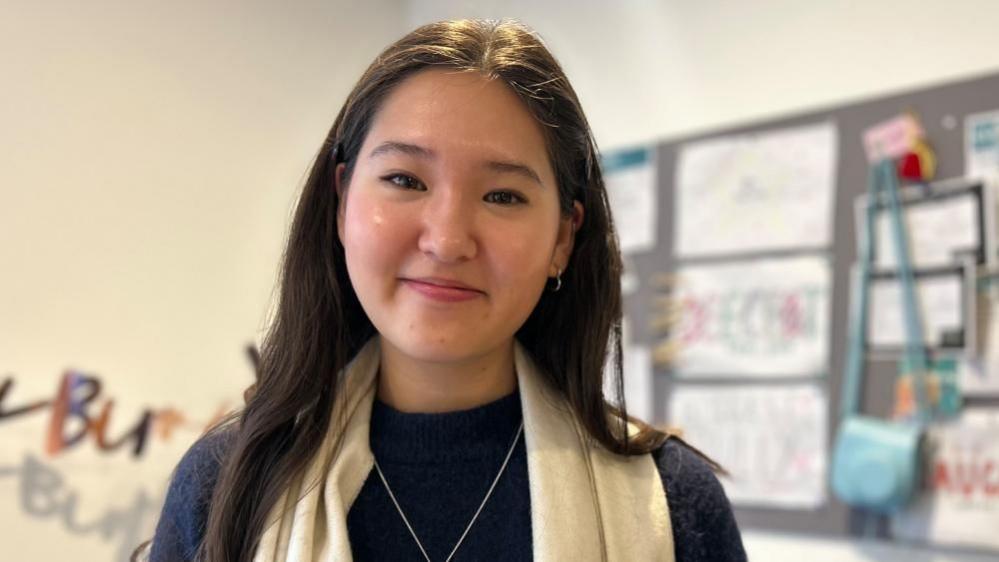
319,324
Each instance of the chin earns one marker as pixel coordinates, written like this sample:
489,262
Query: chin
439,348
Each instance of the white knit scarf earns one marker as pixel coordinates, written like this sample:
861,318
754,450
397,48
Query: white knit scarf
586,503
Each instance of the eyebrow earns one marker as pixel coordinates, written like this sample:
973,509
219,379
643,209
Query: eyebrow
389,147
499,166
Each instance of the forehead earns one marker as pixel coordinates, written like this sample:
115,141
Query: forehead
460,114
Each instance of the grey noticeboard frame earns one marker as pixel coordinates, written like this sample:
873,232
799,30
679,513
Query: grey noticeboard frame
938,107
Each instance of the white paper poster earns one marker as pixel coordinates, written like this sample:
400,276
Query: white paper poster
630,283
981,144
770,438
944,311
763,317
638,382
961,504
761,192
630,177
978,377
636,363
938,233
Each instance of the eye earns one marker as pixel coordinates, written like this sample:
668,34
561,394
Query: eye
504,198
404,181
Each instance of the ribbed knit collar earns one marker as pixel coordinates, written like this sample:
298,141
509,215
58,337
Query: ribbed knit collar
465,435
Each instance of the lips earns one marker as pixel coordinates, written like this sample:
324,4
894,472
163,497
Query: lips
445,290
442,282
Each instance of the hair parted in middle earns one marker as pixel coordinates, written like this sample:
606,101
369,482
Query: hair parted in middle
319,324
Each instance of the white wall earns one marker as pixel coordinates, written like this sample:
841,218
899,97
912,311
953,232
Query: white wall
651,69
150,153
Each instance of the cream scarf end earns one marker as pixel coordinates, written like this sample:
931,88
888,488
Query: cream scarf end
586,503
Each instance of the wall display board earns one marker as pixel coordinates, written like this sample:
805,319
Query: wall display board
705,239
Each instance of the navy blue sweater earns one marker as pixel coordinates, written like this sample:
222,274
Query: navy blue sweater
439,467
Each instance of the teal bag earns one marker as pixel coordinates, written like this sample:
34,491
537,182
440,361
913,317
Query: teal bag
876,463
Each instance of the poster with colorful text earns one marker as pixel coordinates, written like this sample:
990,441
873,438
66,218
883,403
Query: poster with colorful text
960,506
764,317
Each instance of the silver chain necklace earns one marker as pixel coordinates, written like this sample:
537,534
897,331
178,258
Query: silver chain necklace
506,461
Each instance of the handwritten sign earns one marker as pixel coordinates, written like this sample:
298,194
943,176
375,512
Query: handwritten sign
960,505
766,317
771,438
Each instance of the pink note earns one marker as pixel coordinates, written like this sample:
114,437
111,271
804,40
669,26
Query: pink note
892,138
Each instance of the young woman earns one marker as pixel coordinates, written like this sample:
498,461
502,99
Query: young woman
431,387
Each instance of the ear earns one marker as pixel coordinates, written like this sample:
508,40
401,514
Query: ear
567,229
341,197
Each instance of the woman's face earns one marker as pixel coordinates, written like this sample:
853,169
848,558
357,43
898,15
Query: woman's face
451,222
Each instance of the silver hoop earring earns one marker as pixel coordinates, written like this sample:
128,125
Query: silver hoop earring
558,281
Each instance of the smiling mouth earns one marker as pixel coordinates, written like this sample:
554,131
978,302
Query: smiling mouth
442,282
441,290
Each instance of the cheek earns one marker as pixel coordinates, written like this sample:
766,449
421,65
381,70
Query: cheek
370,238
525,258
363,223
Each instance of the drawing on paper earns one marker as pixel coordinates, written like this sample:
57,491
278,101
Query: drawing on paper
771,439
754,193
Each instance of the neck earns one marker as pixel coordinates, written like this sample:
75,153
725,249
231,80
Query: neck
413,385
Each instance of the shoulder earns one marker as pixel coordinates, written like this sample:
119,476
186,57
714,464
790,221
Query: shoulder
704,527
202,462
185,509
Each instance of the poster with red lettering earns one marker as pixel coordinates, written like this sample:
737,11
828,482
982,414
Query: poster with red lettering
765,317
960,503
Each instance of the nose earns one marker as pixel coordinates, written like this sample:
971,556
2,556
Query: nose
448,227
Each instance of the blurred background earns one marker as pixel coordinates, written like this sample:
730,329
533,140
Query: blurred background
151,154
